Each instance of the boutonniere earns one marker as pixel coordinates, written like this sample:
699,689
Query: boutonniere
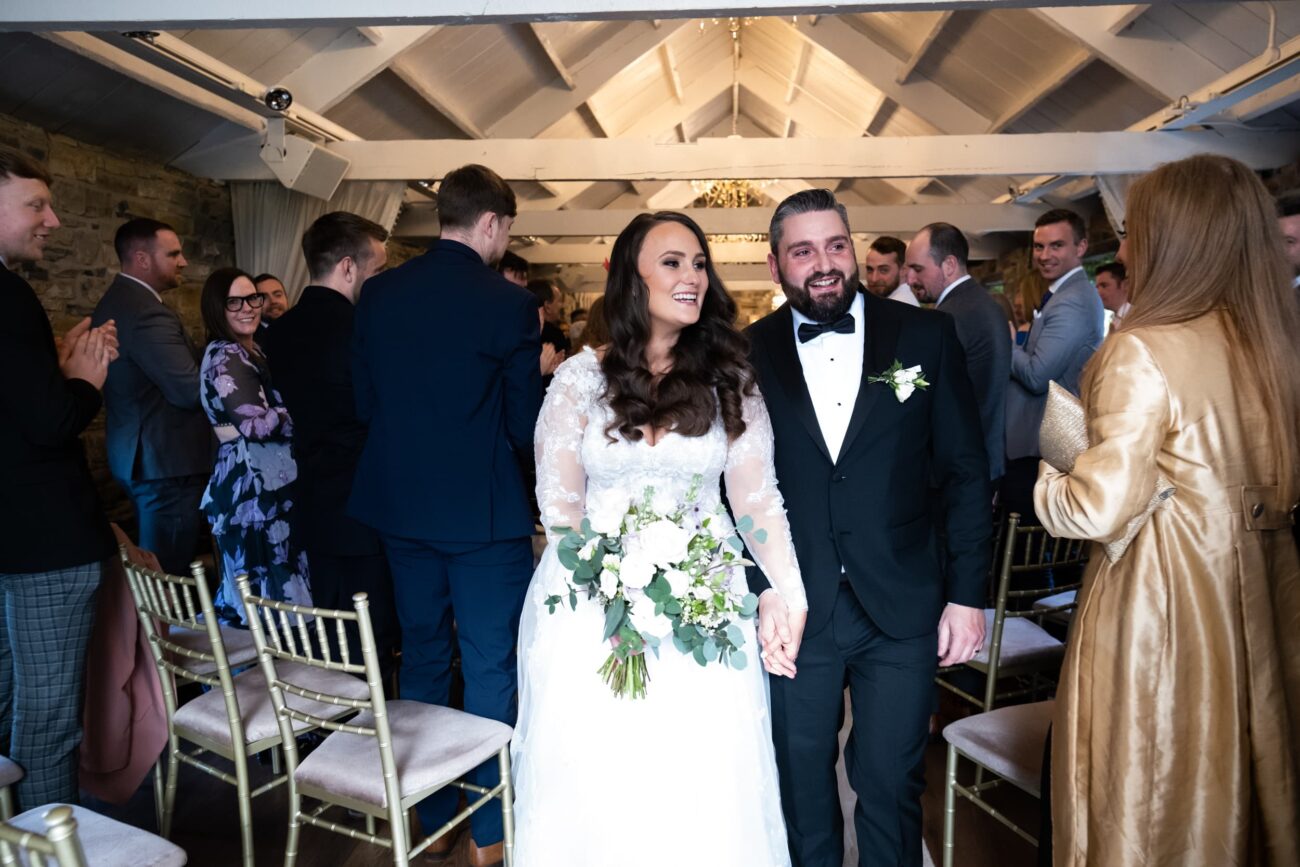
902,380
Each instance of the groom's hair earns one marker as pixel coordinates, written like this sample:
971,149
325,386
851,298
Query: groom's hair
471,191
803,202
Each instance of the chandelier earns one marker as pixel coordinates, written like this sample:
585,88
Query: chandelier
729,193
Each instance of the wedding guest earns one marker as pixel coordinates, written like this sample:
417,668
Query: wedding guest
885,272
53,535
1065,331
440,476
577,321
277,300
514,268
1023,320
1288,220
250,498
596,333
1008,311
1176,738
159,443
551,301
1112,286
310,352
937,261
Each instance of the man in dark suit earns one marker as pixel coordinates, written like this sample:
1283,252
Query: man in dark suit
937,261
855,461
53,535
159,441
1067,329
439,477
310,354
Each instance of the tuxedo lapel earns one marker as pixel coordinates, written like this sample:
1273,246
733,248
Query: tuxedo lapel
789,373
880,331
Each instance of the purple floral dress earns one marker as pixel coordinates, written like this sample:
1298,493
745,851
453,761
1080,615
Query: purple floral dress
249,498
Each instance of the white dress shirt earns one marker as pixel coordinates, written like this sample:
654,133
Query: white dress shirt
152,291
905,294
944,294
832,369
1118,318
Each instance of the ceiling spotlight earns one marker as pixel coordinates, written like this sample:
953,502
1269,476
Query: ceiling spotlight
278,99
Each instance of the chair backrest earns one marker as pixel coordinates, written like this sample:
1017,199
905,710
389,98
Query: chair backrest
181,602
283,632
57,847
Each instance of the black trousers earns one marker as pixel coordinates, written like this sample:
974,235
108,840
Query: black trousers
335,578
170,520
891,684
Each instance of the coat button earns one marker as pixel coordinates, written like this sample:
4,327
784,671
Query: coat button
1257,510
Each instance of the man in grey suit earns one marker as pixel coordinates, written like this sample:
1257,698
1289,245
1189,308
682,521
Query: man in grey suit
159,442
937,262
1066,331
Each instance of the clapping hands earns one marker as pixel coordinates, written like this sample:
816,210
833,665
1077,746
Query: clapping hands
85,352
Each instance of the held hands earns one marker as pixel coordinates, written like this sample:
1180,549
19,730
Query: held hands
85,352
961,633
780,632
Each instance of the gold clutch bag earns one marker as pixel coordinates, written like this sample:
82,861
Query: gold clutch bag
1064,436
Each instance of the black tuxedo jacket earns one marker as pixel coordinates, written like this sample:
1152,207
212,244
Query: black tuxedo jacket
310,353
50,516
445,369
986,342
155,427
869,512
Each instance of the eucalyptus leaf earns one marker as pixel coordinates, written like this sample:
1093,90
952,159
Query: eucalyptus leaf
745,524
698,653
738,660
748,605
710,649
734,635
682,646
760,536
614,618
573,599
734,541
568,557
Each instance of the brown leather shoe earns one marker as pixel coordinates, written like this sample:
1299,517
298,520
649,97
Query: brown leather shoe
488,856
442,849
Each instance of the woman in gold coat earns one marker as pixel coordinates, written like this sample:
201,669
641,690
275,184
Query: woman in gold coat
1177,730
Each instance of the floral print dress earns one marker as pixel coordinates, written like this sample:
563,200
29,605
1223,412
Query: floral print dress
249,499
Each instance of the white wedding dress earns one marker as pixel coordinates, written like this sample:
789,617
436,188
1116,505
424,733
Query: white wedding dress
686,775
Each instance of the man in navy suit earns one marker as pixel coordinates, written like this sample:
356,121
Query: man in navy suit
439,476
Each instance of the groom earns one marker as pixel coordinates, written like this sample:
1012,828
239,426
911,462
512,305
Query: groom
856,461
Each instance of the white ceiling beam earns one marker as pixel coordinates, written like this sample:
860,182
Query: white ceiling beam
223,14
1080,58
328,77
551,54
141,70
1260,104
632,42
800,70
796,158
669,60
1166,67
931,34
674,196
1124,15
923,97
1256,78
436,98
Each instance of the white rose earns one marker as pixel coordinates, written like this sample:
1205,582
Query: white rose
610,561
665,543
636,571
904,391
606,510
645,620
677,580
609,583
664,503
703,593
910,374
588,549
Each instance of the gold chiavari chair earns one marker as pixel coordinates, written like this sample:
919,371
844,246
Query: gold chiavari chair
57,835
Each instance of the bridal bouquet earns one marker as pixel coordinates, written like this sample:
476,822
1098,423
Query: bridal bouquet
658,566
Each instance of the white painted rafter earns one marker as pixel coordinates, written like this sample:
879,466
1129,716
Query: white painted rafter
936,26
1124,15
328,77
669,60
1070,67
436,97
548,48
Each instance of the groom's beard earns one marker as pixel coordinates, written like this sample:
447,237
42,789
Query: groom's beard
828,308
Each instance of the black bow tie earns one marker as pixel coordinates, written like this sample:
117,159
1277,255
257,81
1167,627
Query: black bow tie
808,330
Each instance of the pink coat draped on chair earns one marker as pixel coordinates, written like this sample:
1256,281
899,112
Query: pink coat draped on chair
124,718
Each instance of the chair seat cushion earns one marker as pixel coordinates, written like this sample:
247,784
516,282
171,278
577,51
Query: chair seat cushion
238,644
10,771
1025,644
1056,600
206,715
1007,740
432,745
108,842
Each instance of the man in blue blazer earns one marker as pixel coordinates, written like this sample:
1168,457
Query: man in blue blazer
1066,331
450,410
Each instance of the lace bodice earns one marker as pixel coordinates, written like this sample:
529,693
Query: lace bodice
577,464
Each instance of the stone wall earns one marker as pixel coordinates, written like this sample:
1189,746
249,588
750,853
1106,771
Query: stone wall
95,190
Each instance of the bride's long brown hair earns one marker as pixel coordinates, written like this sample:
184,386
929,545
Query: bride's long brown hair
1203,234
710,367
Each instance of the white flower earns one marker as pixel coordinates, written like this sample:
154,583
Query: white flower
665,543
636,571
611,561
677,580
908,375
609,583
703,592
588,549
645,620
663,503
903,391
606,510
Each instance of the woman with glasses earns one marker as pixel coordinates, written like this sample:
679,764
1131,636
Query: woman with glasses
249,498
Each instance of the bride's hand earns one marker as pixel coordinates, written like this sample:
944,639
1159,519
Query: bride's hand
779,632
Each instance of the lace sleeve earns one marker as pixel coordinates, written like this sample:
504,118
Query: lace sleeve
752,491
557,442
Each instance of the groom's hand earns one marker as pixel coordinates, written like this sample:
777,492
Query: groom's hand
779,637
961,633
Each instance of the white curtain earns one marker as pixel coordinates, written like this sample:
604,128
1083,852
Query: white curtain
270,221
1114,197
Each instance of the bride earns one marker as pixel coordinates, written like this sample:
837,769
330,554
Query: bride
686,774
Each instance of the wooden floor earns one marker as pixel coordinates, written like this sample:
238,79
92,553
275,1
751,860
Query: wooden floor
207,826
